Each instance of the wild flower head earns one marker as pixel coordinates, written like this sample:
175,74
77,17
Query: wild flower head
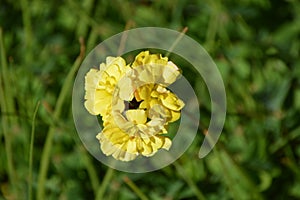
135,104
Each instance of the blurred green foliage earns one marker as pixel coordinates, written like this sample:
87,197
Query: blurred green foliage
256,46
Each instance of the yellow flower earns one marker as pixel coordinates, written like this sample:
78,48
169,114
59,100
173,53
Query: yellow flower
152,73
151,95
134,103
153,68
100,84
127,137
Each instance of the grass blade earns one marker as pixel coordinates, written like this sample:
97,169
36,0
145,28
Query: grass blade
6,107
31,151
106,180
189,181
135,188
66,88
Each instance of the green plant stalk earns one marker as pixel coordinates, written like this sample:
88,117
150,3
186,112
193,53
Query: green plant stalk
5,109
7,140
44,164
108,176
6,81
184,30
31,151
212,32
92,39
189,181
214,23
91,171
124,38
135,188
86,160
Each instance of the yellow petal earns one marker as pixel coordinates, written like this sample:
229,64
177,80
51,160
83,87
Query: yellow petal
156,143
161,89
145,136
92,78
154,94
119,153
139,59
144,105
154,102
145,76
170,73
113,70
128,156
172,102
106,146
118,61
96,108
139,144
167,143
175,116
119,137
147,149
136,116
107,133
126,89
96,94
117,104
131,146
143,92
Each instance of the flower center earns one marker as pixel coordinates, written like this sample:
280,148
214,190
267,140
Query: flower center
134,104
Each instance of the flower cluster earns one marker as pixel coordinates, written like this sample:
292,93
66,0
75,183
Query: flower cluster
134,103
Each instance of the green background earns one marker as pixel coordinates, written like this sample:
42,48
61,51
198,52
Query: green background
256,46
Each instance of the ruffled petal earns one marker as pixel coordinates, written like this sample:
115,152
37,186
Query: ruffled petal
136,116
172,102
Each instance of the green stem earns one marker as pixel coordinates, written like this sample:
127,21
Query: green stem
124,38
91,171
135,188
6,107
31,151
189,181
108,176
44,164
176,41
92,39
213,25
6,80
